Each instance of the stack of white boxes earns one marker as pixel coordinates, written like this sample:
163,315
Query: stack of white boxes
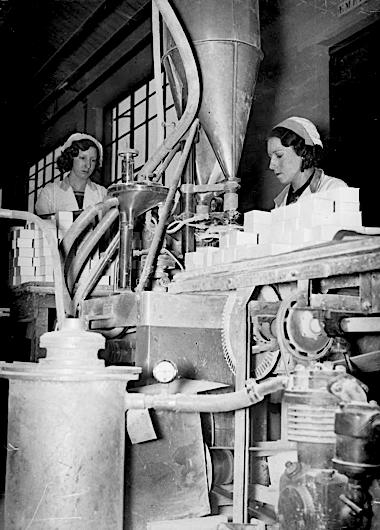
30,256
312,220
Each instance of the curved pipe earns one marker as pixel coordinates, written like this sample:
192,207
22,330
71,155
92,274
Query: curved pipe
166,162
59,287
85,218
87,285
157,238
250,395
193,85
87,247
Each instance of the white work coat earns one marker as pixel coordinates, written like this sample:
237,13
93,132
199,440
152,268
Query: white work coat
59,196
319,182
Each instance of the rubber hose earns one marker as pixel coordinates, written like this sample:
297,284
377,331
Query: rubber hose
87,247
82,222
85,286
227,402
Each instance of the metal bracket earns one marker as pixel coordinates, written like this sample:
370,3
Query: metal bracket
304,292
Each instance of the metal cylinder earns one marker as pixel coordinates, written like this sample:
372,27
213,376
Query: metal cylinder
65,454
66,437
309,414
357,426
125,253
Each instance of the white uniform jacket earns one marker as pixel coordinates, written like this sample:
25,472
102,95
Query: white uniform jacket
319,182
59,196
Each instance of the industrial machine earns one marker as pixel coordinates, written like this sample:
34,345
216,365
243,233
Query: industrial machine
211,342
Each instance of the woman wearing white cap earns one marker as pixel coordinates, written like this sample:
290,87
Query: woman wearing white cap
294,148
81,155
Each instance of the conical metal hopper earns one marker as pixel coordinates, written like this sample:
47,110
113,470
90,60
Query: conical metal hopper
226,39
205,159
135,198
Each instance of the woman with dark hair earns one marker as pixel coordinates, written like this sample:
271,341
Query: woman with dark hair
295,148
81,155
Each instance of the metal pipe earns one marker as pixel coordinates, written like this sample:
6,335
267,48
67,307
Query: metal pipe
82,222
157,238
165,163
60,292
251,394
87,246
188,238
158,73
193,84
125,254
87,285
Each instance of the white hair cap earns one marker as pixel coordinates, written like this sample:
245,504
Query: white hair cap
83,136
304,128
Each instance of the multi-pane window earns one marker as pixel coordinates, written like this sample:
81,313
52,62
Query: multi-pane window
44,171
135,125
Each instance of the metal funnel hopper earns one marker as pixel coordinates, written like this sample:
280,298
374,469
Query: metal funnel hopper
226,39
135,198
205,159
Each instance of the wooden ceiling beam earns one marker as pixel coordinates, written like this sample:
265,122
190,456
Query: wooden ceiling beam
79,35
127,28
114,67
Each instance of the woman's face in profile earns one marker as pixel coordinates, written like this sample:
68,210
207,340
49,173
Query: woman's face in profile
85,163
284,161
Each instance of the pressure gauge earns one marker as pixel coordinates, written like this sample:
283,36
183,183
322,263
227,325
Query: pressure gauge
165,371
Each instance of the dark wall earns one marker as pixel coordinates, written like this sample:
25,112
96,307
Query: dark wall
293,81
355,115
19,47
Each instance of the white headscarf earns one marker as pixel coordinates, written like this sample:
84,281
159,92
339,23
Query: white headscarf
83,136
304,128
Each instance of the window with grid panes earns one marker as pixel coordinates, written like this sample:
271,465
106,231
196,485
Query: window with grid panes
135,124
44,171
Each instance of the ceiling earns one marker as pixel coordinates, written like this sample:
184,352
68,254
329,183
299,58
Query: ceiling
54,52
56,41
